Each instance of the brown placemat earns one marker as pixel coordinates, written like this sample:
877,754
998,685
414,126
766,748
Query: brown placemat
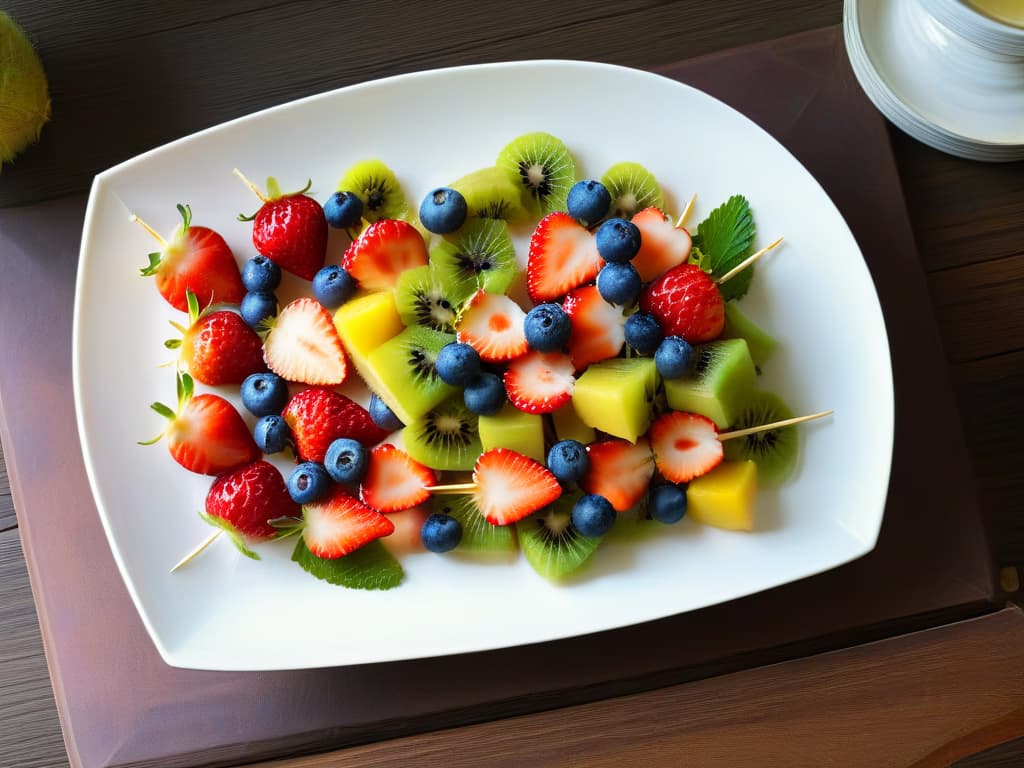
121,706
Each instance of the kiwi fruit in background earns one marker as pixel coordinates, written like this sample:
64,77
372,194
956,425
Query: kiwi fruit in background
491,194
479,537
774,451
24,95
543,168
445,437
480,255
550,542
632,188
377,186
425,297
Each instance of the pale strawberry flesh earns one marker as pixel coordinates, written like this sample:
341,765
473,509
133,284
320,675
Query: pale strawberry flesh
340,524
383,252
394,480
662,245
598,328
510,486
492,324
563,255
685,446
620,471
540,382
303,346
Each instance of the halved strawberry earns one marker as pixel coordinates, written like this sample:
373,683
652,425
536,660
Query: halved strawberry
620,471
598,328
317,417
685,445
217,347
662,245
686,302
339,524
384,251
290,228
303,345
245,499
563,255
510,486
394,480
492,324
540,382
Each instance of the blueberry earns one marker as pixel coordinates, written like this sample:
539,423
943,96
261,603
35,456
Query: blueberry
593,515
383,416
643,333
257,307
333,286
443,210
568,461
484,395
619,284
261,274
547,327
673,357
308,482
346,460
271,434
668,504
588,201
343,210
457,364
441,533
264,393
617,240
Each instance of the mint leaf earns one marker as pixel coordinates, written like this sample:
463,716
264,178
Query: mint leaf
369,567
231,533
725,238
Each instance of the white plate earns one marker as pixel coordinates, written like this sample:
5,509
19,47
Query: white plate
226,612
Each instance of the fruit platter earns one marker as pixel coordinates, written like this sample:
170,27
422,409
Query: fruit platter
415,396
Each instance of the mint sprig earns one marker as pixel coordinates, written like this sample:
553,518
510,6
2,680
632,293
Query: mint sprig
369,567
723,240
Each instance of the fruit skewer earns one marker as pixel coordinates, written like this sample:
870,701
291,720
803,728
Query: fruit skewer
748,261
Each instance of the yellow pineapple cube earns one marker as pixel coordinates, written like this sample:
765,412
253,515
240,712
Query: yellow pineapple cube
616,396
513,429
365,323
725,497
569,426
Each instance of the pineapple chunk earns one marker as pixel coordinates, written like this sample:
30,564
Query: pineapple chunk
617,396
568,426
513,429
725,497
365,323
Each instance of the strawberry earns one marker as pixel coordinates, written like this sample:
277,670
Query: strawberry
206,435
289,229
620,471
303,345
394,480
598,328
384,251
196,259
339,524
662,245
540,382
686,302
317,417
217,347
244,499
510,486
492,324
685,445
562,256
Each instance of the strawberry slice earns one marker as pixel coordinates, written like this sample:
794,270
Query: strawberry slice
662,245
598,328
685,445
303,345
339,524
620,471
510,486
492,324
317,417
384,251
562,256
217,347
394,480
540,382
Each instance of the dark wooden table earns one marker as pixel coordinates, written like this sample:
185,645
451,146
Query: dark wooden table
127,76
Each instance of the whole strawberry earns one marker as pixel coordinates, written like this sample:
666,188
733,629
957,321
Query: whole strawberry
244,500
289,229
686,302
218,347
318,417
194,259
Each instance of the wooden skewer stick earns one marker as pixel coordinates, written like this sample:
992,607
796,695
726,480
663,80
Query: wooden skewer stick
773,425
195,552
453,488
747,262
156,235
686,211
256,190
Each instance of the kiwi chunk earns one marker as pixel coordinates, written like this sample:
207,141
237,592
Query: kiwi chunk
478,535
480,255
544,169
445,437
491,194
376,185
774,451
402,372
739,326
425,297
632,188
721,383
550,542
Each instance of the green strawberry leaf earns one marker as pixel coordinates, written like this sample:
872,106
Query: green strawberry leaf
723,240
736,287
369,567
231,533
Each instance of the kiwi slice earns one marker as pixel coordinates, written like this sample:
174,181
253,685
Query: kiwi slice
632,188
773,451
478,535
721,383
445,437
376,185
479,255
491,194
402,373
424,297
544,169
550,542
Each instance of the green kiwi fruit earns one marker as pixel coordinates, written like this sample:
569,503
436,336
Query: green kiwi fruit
550,542
423,296
479,255
491,194
376,185
635,523
720,383
402,373
774,451
478,535
544,169
632,188
445,437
